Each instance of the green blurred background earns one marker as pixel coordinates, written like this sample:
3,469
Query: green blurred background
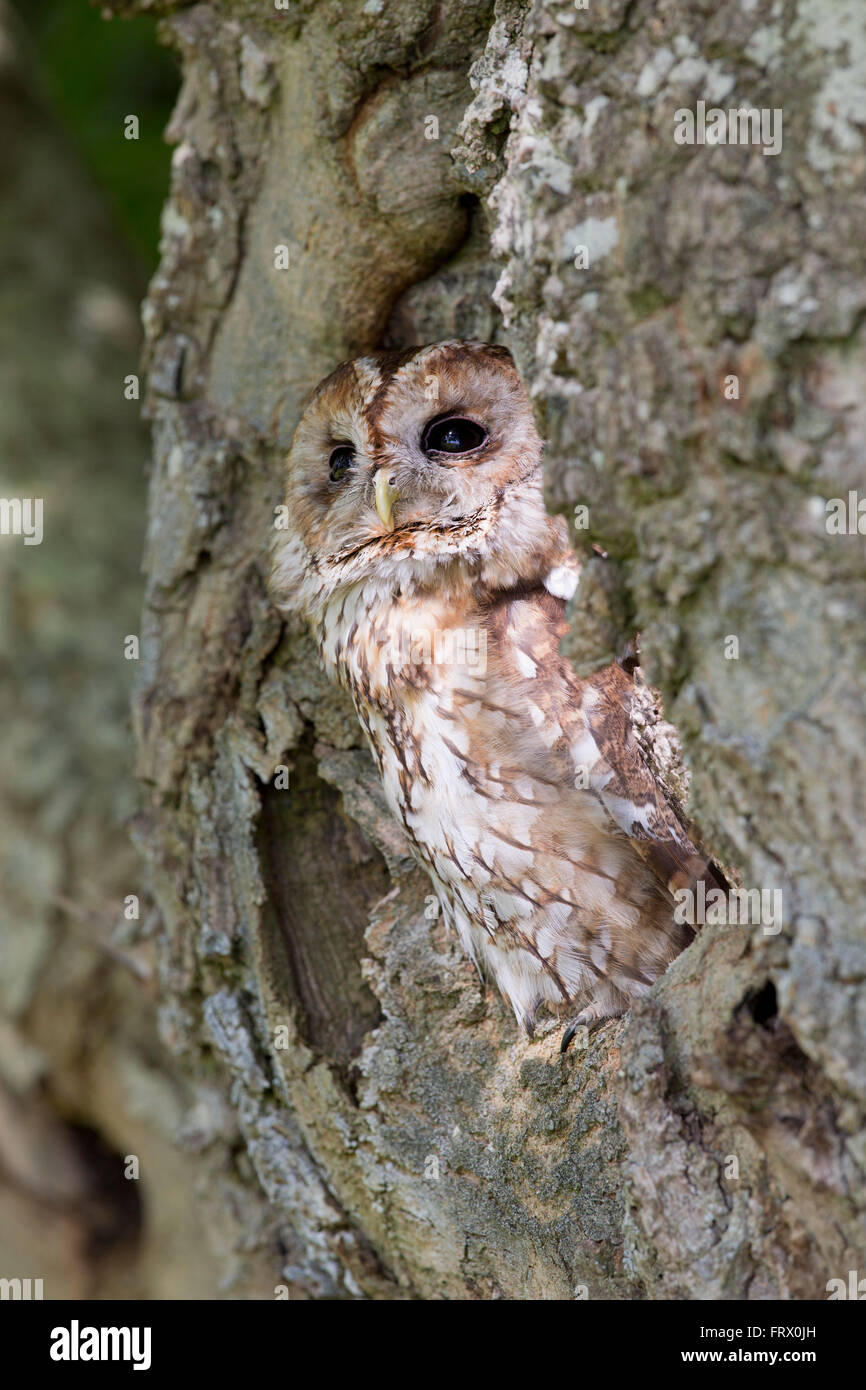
94,72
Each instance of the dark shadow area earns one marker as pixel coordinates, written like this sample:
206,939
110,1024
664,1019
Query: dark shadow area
323,877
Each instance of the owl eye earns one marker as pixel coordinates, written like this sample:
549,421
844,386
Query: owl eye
340,462
453,437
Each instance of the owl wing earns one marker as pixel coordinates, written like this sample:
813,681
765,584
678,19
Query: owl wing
594,716
631,792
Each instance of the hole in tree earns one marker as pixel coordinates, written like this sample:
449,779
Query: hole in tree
323,877
763,1006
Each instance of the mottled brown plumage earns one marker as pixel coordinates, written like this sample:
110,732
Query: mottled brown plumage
420,550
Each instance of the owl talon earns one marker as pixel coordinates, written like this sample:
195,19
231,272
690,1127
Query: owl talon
591,1018
568,1035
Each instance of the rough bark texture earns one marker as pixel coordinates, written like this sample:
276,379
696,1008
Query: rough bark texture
399,1139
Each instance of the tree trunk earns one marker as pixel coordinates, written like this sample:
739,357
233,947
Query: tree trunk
433,170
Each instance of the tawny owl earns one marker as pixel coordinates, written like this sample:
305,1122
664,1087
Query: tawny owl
420,550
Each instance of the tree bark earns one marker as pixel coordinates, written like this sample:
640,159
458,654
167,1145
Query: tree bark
432,170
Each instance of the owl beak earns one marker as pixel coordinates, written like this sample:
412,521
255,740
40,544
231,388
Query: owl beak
386,495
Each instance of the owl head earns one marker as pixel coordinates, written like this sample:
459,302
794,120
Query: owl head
405,465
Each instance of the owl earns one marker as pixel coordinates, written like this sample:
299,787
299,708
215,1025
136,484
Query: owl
435,582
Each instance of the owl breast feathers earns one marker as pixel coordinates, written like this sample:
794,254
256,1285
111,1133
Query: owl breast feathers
435,581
